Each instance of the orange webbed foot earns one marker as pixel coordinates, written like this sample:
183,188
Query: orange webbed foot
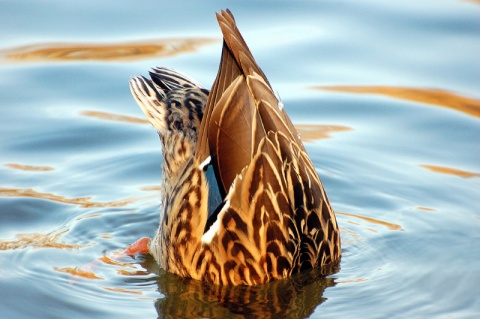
138,247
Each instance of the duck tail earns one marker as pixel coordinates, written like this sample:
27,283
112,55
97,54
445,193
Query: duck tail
174,105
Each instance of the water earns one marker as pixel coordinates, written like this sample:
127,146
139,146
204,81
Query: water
385,96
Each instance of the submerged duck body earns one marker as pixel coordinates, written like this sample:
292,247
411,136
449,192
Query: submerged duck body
242,201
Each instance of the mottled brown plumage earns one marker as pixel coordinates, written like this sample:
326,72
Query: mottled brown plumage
242,202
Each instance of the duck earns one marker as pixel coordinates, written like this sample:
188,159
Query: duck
242,203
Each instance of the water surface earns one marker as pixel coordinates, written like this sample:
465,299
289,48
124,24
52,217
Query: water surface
385,96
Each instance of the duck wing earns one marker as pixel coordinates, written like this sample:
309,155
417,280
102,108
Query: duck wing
241,109
276,219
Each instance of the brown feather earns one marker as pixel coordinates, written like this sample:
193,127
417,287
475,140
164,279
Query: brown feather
232,128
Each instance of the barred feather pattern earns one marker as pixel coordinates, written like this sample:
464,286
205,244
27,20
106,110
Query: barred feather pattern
174,104
275,219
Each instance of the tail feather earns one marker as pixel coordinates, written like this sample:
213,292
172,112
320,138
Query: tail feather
174,104
150,100
171,101
167,79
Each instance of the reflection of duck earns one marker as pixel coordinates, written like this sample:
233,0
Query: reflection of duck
243,203
295,297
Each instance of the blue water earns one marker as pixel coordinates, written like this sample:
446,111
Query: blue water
385,95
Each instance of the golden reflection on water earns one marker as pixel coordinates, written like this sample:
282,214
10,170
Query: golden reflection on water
30,168
349,237
429,96
119,52
122,290
390,226
37,240
352,280
313,132
123,272
78,272
109,261
449,171
84,202
155,188
114,117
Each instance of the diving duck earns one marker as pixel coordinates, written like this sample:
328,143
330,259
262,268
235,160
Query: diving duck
242,203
